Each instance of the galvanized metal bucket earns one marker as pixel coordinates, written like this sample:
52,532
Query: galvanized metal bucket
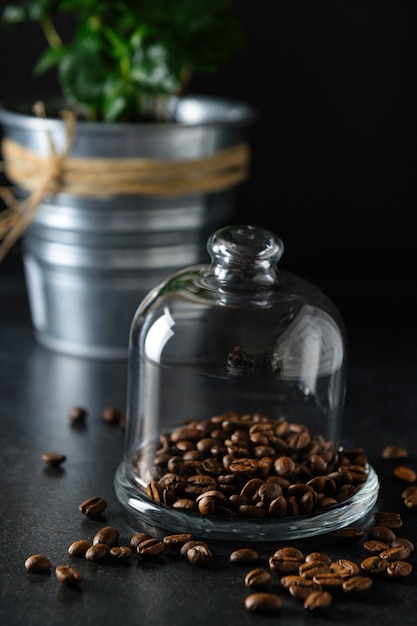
89,261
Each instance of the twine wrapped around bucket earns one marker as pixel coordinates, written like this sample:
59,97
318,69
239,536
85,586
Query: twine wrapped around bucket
60,173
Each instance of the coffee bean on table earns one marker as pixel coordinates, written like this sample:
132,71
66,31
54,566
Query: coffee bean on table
108,535
111,415
178,539
97,552
79,548
357,584
317,600
258,578
399,568
77,414
263,602
406,474
243,556
389,519
38,563
68,575
54,459
394,452
93,506
120,553
150,547
200,554
349,534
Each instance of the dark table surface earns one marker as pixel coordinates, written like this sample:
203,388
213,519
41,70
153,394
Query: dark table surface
39,505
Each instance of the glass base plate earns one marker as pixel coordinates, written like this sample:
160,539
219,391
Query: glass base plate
172,520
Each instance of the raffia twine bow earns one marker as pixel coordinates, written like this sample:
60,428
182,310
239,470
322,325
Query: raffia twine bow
101,177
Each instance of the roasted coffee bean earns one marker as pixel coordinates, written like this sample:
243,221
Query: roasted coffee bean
185,504
138,538
79,548
388,519
394,453
344,568
317,600
278,507
178,539
190,544
399,568
120,553
206,506
108,535
286,560
349,533
328,580
263,602
357,584
381,533
403,541
68,575
244,556
309,569
258,578
396,553
111,415
93,506
150,547
374,565
411,501
411,490
199,554
375,547
77,414
38,563
54,459
406,474
97,552
318,556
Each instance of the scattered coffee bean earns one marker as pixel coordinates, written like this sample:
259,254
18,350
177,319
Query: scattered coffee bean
286,560
77,414
138,538
97,552
177,539
399,568
403,541
396,553
243,556
150,547
108,535
120,553
54,459
93,506
79,548
411,490
38,563
199,554
357,584
411,501
111,415
381,533
258,578
317,600
349,533
373,546
406,474
262,602
68,575
374,565
388,519
394,453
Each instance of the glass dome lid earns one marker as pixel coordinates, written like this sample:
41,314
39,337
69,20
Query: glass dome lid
236,391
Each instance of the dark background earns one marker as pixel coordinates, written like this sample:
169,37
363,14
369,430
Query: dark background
333,152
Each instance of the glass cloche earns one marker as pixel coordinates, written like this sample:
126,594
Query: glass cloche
236,391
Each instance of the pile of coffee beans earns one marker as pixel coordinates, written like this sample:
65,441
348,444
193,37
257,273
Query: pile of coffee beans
315,579
250,466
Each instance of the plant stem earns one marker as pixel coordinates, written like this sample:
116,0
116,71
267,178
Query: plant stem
50,32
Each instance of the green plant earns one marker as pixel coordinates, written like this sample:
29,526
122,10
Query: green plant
123,60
